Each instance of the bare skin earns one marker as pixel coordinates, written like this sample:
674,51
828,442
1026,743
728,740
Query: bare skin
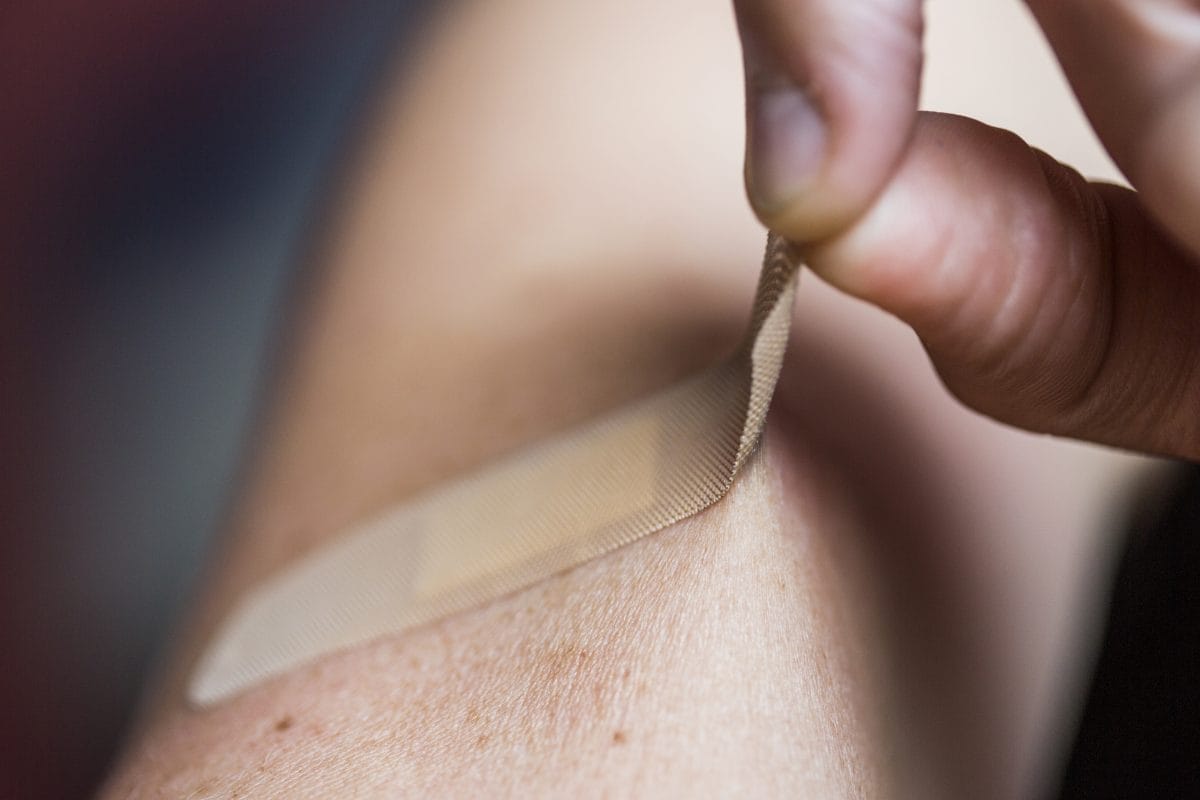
845,624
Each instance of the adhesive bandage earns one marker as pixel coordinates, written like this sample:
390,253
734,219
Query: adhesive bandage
537,512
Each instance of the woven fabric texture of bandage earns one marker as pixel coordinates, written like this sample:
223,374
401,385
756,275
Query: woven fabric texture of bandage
539,511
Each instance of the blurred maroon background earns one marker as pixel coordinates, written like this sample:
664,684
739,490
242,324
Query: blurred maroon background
158,164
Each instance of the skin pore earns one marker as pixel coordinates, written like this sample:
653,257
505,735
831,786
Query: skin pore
533,233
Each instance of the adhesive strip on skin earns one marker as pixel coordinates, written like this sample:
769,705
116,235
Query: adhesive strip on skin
538,512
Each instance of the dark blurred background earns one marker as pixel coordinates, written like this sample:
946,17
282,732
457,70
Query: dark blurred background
159,165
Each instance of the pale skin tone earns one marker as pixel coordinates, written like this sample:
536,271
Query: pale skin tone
845,624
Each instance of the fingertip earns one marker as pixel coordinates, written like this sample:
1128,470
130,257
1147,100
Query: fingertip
831,103
786,147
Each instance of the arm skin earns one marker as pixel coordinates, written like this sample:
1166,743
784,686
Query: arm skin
859,574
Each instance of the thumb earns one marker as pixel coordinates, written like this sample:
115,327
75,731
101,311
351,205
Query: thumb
1043,300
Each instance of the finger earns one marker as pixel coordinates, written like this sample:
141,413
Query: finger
831,95
1044,301
1135,65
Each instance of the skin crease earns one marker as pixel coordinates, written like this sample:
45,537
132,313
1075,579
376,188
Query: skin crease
845,624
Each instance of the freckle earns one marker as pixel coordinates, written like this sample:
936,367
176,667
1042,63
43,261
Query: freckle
618,737
625,675
473,714
598,695
583,654
284,723
482,741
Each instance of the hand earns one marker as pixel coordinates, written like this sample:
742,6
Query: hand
1043,300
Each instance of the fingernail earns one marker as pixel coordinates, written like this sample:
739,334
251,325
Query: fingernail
786,140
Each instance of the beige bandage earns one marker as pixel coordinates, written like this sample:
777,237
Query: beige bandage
537,512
